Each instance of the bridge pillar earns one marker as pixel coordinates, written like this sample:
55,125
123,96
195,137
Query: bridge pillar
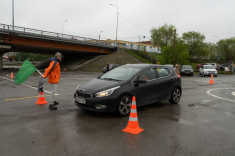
3,49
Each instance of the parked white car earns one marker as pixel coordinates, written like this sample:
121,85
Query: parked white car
208,70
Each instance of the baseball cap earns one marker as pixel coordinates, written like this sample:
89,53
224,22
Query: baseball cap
59,54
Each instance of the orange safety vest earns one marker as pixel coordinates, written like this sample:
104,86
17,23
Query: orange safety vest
54,75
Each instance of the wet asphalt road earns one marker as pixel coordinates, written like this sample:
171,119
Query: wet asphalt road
201,124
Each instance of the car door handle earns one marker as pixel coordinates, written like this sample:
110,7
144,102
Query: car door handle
155,84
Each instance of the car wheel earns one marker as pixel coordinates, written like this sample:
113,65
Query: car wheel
191,74
175,96
124,105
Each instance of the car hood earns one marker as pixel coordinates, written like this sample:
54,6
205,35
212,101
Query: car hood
96,85
210,70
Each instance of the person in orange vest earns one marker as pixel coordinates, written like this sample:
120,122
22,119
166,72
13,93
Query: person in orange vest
177,68
53,74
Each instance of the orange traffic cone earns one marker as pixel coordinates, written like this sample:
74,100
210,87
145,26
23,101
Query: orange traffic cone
211,81
12,75
41,99
64,69
133,125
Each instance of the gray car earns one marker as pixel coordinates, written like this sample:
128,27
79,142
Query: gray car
186,70
111,66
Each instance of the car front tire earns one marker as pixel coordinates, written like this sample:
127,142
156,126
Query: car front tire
175,96
124,105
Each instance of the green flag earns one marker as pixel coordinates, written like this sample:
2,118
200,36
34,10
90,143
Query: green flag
25,71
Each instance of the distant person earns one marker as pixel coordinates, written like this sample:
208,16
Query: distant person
107,68
177,68
53,73
158,63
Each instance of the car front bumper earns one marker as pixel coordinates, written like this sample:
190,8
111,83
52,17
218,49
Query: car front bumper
209,73
186,73
98,104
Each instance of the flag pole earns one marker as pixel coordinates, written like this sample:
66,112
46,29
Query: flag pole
39,72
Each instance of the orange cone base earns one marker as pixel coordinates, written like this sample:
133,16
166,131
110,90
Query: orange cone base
41,99
211,82
41,103
133,131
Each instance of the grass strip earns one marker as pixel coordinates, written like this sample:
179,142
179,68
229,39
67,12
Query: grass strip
137,56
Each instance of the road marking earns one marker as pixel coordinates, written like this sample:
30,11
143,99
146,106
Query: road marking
27,85
208,92
22,98
233,93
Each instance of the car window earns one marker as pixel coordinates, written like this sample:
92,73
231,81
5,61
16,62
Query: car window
149,74
162,72
186,67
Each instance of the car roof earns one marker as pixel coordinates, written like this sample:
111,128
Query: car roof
143,65
207,65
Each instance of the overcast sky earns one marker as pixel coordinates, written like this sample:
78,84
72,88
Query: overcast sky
88,18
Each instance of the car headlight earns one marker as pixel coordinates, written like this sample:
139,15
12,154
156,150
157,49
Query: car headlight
106,92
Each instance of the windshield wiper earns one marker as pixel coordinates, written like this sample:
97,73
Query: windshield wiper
111,79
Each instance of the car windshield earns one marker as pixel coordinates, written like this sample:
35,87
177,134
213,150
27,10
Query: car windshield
120,73
208,67
186,67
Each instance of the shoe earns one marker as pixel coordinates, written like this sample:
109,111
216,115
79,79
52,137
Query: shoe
56,103
53,107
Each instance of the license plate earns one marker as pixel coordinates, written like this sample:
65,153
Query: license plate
80,100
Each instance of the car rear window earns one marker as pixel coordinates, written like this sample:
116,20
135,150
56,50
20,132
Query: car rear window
162,72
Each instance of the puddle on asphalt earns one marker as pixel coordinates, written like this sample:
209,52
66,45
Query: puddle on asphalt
193,105
186,122
205,101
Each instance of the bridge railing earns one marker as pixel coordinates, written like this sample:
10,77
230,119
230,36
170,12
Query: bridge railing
65,37
53,35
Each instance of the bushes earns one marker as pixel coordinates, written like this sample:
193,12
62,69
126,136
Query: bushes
140,55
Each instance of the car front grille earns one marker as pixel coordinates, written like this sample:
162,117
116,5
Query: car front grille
187,70
83,94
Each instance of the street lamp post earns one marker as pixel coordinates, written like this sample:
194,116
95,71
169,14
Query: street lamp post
99,36
12,14
174,42
63,26
218,46
117,22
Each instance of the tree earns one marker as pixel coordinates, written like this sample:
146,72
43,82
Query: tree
163,36
181,54
212,50
227,49
197,48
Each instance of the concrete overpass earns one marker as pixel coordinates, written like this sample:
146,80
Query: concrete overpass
20,39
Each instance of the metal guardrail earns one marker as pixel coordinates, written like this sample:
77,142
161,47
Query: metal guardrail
22,31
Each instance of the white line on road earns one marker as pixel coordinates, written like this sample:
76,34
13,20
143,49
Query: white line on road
27,85
233,93
208,92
